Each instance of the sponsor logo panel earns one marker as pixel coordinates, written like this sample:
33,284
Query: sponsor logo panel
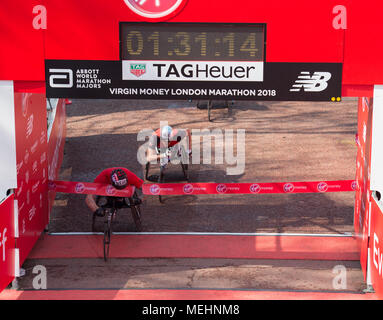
311,83
110,190
322,187
188,188
80,187
221,188
255,188
288,187
176,79
193,70
155,189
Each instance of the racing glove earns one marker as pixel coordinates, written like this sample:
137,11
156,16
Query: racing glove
168,152
99,212
164,161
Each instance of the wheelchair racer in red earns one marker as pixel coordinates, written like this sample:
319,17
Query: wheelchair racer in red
119,178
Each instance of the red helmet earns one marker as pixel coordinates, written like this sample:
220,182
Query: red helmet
119,179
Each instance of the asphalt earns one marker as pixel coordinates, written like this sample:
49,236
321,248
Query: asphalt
285,141
241,274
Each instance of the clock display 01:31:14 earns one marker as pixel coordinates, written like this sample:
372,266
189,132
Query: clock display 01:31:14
191,45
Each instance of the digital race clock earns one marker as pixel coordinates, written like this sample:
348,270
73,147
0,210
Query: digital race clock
192,41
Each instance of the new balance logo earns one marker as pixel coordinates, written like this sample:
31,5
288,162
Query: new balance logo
315,83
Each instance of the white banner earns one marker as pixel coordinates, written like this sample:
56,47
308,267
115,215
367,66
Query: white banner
192,70
8,175
376,140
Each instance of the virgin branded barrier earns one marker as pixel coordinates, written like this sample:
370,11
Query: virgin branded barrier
376,246
248,188
7,242
32,172
204,188
363,165
56,143
89,188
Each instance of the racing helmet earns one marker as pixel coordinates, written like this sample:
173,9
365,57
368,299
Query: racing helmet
119,179
166,132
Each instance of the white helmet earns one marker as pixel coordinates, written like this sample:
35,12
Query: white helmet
166,132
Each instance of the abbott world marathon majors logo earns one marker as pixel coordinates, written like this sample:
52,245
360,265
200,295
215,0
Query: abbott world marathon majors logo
80,78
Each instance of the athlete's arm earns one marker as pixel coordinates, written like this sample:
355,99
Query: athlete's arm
134,180
90,199
181,134
188,135
152,153
91,202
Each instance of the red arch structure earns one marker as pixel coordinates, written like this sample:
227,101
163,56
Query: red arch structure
298,31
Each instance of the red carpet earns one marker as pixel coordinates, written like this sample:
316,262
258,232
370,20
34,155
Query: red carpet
163,294
199,246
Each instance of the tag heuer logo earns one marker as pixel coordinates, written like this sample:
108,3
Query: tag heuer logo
138,69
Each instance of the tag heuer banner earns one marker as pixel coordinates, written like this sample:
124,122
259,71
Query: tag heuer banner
218,80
